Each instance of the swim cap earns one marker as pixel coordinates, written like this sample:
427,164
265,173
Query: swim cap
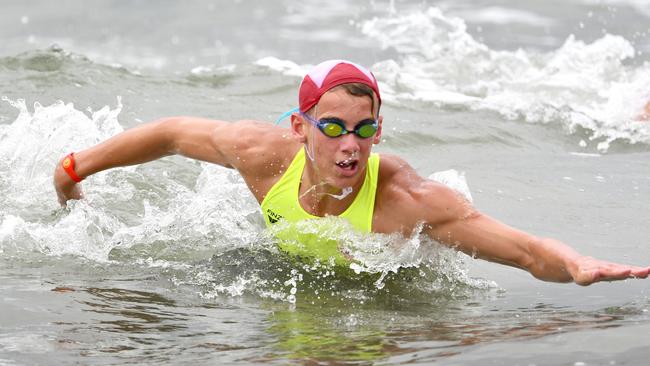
329,74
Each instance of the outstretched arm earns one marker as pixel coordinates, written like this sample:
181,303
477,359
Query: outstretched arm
214,141
478,235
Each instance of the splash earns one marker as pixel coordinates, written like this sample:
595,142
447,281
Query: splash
81,233
344,192
218,213
382,266
31,146
203,229
141,215
385,254
29,149
382,258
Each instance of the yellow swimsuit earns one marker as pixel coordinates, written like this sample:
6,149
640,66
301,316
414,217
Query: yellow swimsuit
281,203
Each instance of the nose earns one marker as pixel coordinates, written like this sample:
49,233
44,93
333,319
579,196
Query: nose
349,143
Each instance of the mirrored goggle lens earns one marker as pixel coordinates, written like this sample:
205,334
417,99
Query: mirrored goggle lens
366,130
332,129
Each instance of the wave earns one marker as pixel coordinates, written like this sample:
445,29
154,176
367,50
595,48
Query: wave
502,15
579,84
55,59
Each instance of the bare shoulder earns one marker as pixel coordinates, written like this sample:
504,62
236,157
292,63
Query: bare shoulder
255,147
406,199
398,179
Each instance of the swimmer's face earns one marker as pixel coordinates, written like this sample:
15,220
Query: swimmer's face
341,161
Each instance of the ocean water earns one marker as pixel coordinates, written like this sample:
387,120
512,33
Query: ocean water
534,108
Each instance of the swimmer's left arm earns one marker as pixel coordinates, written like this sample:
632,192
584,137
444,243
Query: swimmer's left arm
479,235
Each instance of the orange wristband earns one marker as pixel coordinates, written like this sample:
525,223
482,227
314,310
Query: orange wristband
68,166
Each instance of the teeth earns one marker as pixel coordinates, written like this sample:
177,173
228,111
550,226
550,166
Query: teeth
347,161
344,163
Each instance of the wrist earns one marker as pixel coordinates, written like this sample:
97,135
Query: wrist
561,262
68,165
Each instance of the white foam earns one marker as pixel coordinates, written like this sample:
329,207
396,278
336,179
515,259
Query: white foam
32,145
284,66
81,233
578,85
219,210
207,70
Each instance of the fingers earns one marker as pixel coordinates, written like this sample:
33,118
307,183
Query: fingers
586,278
630,271
613,274
74,193
591,270
640,272
610,272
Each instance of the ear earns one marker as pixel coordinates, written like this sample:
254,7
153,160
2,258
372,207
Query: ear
377,138
298,128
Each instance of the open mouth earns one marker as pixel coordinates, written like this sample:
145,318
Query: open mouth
348,164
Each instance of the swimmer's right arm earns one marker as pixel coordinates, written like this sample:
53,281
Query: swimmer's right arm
213,141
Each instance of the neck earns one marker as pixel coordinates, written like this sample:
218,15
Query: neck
320,198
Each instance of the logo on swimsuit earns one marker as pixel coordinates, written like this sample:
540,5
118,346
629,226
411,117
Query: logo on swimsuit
273,217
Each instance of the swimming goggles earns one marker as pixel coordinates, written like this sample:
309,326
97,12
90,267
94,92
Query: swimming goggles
335,127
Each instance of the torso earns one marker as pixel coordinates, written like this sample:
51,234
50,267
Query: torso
400,192
282,201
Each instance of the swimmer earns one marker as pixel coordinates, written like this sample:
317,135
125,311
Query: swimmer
323,165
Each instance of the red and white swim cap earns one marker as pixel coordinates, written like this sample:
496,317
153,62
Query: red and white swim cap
329,74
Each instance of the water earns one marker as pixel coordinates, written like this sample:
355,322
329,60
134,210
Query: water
169,262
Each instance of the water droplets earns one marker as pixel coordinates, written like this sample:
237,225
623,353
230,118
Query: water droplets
292,282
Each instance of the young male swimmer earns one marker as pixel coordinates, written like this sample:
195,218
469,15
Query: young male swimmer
324,166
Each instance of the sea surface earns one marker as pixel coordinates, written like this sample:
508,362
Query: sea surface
533,108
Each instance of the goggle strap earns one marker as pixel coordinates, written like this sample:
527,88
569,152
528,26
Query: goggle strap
286,114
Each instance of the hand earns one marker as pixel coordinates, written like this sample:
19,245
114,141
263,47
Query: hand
66,188
589,270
